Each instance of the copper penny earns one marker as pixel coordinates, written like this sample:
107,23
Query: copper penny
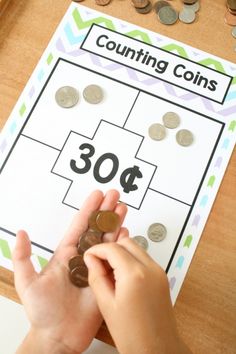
76,261
92,220
107,221
79,276
230,19
89,239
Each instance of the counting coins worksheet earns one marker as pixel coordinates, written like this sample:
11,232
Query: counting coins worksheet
113,105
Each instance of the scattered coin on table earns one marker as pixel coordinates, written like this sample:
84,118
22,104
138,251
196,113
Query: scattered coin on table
141,241
157,232
171,120
93,94
157,131
67,97
184,137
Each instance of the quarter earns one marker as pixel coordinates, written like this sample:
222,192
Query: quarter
67,96
167,15
157,232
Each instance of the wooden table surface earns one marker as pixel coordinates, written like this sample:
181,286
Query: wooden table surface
206,307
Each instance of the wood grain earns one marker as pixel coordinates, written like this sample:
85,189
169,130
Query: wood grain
206,307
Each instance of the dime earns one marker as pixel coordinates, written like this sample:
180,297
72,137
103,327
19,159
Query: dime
231,4
67,96
141,241
75,261
140,4
88,239
195,6
230,19
107,221
157,232
145,9
79,276
187,15
234,32
184,137
167,15
171,120
157,131
93,94
159,4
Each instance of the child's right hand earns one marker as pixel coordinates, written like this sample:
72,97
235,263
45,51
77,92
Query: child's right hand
132,293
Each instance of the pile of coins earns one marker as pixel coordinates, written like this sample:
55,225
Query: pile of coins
99,222
168,15
68,96
156,232
171,120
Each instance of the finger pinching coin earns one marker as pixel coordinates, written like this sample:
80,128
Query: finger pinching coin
100,222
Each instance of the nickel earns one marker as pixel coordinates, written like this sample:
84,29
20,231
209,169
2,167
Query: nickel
67,96
171,120
184,137
93,94
157,131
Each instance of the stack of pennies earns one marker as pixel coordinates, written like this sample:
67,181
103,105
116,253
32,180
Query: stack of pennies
230,15
100,221
142,6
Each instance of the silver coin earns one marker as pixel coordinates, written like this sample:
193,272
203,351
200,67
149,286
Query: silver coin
157,232
195,6
67,96
184,137
141,241
171,120
187,15
159,4
234,32
93,94
167,15
157,131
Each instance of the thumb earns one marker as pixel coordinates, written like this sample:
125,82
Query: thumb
23,267
99,281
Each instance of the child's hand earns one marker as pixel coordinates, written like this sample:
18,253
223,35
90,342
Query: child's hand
132,292
64,318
